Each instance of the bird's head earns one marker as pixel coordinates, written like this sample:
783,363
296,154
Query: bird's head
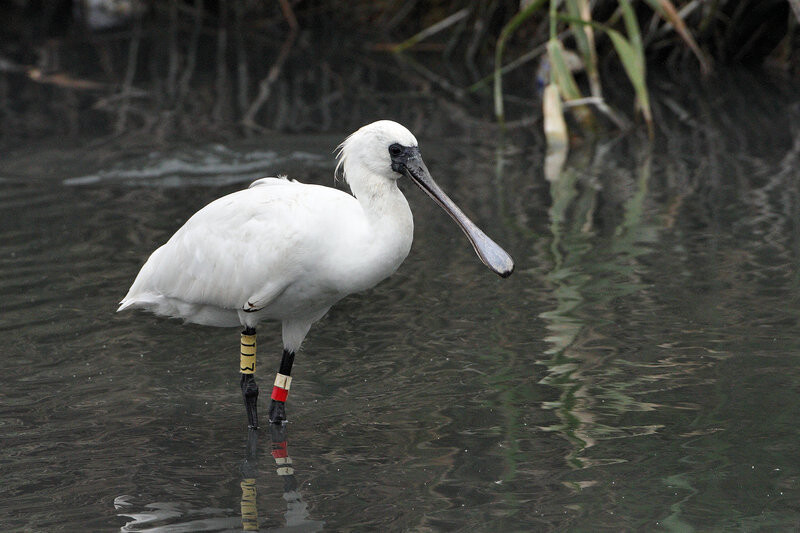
378,154
376,150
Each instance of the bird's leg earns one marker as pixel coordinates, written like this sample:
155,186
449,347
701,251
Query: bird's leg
247,367
277,406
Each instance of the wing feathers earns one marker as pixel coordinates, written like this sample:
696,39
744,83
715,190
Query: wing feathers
247,246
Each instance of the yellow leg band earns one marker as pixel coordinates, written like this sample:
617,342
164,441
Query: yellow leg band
249,509
247,361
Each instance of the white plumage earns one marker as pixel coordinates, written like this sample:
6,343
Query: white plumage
282,249
288,251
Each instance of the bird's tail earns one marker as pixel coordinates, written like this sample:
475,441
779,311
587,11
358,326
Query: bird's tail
124,304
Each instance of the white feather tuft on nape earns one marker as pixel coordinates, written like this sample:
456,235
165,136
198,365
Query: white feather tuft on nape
340,159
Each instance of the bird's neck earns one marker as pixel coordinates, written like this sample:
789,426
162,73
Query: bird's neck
389,228
381,201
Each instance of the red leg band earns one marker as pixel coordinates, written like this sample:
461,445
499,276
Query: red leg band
280,450
279,394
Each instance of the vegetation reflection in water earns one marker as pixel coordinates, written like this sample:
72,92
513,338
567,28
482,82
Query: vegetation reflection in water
622,341
582,281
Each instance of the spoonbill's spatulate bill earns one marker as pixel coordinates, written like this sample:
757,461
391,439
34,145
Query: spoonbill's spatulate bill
288,251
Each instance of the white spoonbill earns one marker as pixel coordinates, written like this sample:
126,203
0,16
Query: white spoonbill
288,251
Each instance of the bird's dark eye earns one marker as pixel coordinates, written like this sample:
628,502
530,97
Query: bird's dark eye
395,150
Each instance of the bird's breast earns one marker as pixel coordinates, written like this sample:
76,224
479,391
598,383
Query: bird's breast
372,251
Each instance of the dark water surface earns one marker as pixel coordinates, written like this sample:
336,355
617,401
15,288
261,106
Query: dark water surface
639,371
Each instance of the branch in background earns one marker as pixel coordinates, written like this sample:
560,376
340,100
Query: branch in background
133,60
667,10
513,65
400,15
222,77
242,75
427,32
265,87
512,25
57,79
795,4
440,81
64,80
288,14
191,61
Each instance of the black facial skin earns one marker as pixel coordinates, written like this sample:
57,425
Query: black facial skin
400,155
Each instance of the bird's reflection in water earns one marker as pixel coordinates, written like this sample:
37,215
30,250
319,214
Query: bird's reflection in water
177,516
297,516
248,484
